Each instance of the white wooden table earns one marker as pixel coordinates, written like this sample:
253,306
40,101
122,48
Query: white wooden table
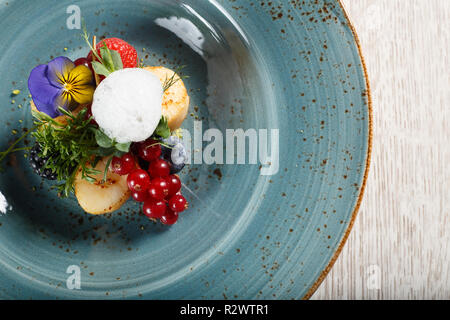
399,247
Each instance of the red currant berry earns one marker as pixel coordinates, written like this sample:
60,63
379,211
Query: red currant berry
140,196
154,209
84,62
169,218
149,150
178,203
135,148
123,165
159,189
138,180
159,169
174,184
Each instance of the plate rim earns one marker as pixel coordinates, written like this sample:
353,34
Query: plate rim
344,239
368,153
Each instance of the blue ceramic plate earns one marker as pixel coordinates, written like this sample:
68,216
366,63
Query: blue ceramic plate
291,66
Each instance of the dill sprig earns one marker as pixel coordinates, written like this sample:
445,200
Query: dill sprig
177,76
69,146
74,145
77,145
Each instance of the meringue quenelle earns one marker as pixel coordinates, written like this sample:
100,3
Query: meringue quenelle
127,105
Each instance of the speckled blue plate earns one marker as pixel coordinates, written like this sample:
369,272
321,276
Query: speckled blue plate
288,65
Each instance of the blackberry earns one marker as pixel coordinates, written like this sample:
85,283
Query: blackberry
38,164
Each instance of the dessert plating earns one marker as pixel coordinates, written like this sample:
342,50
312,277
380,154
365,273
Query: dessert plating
105,130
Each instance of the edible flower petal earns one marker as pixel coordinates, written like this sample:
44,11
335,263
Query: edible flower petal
59,70
81,79
60,84
42,91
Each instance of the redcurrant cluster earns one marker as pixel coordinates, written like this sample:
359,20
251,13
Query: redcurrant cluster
155,187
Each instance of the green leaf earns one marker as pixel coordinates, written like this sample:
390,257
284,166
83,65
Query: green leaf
163,129
123,147
100,69
43,117
118,153
103,140
104,152
111,59
117,60
107,58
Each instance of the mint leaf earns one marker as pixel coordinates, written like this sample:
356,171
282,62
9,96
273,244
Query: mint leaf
104,152
111,60
116,60
163,129
107,58
100,69
123,147
103,140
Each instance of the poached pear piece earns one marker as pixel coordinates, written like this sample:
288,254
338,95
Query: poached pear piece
101,196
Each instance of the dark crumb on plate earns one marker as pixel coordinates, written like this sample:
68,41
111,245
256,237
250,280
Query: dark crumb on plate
218,173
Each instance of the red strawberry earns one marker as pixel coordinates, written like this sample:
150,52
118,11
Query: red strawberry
126,51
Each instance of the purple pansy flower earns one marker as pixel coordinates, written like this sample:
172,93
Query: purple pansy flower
60,84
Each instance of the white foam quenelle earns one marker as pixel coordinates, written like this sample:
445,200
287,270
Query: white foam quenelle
127,105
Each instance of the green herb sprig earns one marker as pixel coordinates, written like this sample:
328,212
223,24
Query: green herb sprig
68,147
73,146
12,148
163,129
78,145
108,60
169,82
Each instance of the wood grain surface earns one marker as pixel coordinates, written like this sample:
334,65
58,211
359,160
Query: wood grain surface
400,245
